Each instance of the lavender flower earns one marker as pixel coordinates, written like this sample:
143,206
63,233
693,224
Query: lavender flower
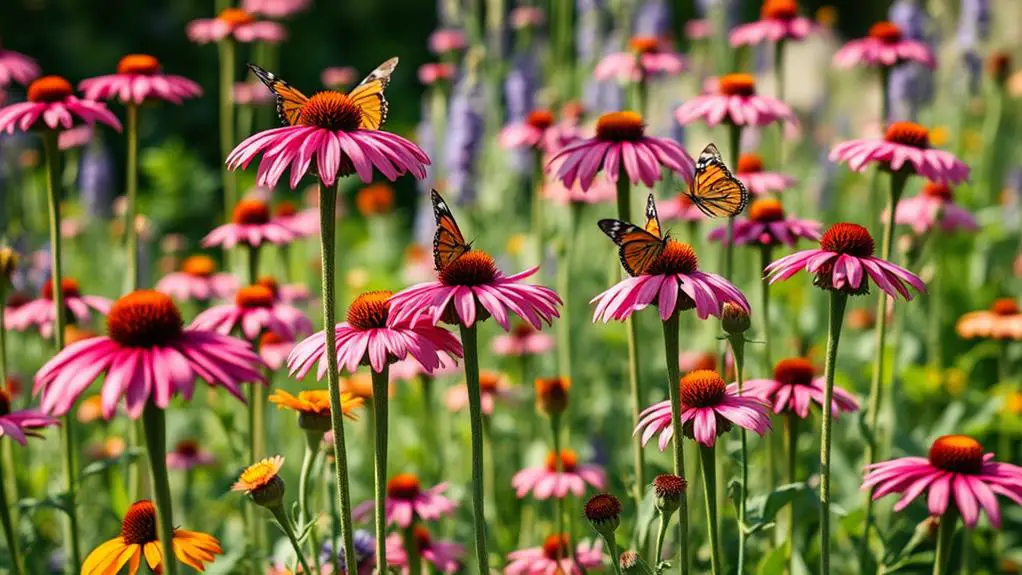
973,22
520,86
911,85
653,19
365,549
464,134
95,180
589,32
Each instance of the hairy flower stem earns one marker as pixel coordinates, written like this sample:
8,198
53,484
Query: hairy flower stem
305,515
838,300
227,63
154,422
945,539
381,384
792,429
767,366
469,340
671,353
131,185
412,551
285,523
709,456
738,348
10,529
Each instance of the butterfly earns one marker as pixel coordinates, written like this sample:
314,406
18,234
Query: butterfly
368,96
448,242
715,191
639,247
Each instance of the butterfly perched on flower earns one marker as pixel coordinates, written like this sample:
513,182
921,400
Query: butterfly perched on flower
715,191
448,242
638,247
367,96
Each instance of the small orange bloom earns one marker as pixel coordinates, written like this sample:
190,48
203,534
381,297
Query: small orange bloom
316,402
552,394
375,199
90,409
259,475
1002,321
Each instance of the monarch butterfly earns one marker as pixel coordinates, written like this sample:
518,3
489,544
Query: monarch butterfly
715,191
368,96
448,242
639,247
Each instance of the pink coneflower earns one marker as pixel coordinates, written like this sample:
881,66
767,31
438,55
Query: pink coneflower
139,79
956,471
76,137
23,423
735,102
337,77
559,475
493,387
934,207
254,310
52,100
445,556
680,208
189,454
1002,321
532,132
432,72
274,349
699,29
555,556
198,280
40,312
795,387
766,225
408,368
527,17
648,58
759,182
522,340
275,8
885,46
843,262
673,282
236,24
372,336
446,40
709,408
287,293
778,20
600,191
906,146
251,224
146,354
16,67
407,502
620,145
303,223
252,93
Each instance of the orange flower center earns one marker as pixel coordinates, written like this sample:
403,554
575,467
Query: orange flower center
199,266
68,286
1004,306
144,318
957,454
602,507
235,17
846,238
620,127
940,191
766,210
908,134
285,209
422,538
404,486
888,32
568,461
187,448
251,212
737,85
669,485
556,547
522,330
5,402
644,44
270,283
702,388
375,199
259,474
332,111
49,89
489,381
369,310
139,524
794,371
750,163
572,110
779,10
677,258
143,64
254,296
271,338
552,393
473,268
540,119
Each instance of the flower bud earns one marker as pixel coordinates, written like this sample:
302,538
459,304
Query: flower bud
552,394
603,511
734,319
632,564
668,490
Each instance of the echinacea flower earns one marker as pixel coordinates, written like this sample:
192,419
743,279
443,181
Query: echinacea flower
147,355
1002,321
22,423
493,387
433,72
274,349
303,223
648,58
407,501
778,21
139,539
77,137
286,293
338,77
40,312
254,310
885,46
674,283
236,24
843,262
445,40
559,475
275,8
51,100
140,79
935,207
555,556
189,454
198,280
370,336
523,339
252,93
445,556
680,208
795,387
709,408
16,67
735,102
532,132
905,147
251,225
599,192
767,225
758,181
620,146
955,472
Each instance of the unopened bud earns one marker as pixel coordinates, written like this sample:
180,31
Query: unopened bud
552,394
668,490
632,564
604,513
734,319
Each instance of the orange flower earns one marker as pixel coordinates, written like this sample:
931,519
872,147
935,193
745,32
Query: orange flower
375,199
138,539
261,482
361,385
552,394
316,402
91,409
1002,321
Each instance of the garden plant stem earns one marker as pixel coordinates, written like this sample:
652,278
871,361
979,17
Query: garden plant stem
768,360
412,551
285,523
10,529
792,428
838,300
708,456
227,63
154,422
738,349
312,441
945,539
671,352
380,391
469,341
130,233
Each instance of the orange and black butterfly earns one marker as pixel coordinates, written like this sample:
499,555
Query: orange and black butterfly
638,247
715,191
448,242
368,96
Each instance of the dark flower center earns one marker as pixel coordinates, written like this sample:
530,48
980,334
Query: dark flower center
887,32
620,127
846,238
644,44
144,318
285,209
5,402
940,191
49,89
957,454
779,10
404,486
795,371
750,163
552,393
68,287
908,134
999,65
568,461
602,507
702,388
737,85
199,266
271,338
669,486
522,329
369,310
422,538
556,547
142,64
766,210
187,448
251,212
139,524
489,381
332,111
1004,306
677,258
235,17
540,119
254,296
473,268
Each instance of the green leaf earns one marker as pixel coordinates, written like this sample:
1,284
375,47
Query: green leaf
773,563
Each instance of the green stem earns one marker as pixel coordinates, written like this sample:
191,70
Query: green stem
227,64
934,299
537,209
490,467
285,524
5,517
665,520
709,459
738,347
615,554
792,428
130,233
989,171
380,391
671,355
154,422
767,366
885,95
838,300
469,341
945,539
564,344
312,441
555,434
735,141
412,552
327,234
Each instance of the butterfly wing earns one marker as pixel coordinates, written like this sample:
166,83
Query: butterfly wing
368,95
290,101
652,218
638,248
716,192
448,242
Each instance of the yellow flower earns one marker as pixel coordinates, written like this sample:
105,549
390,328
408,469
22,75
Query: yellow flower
940,136
316,402
516,243
261,482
